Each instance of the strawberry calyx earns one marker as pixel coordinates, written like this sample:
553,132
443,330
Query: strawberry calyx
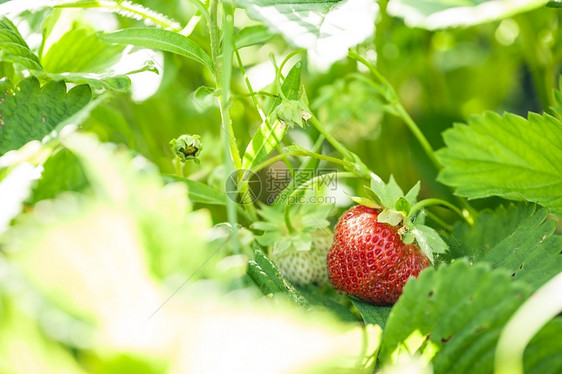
404,212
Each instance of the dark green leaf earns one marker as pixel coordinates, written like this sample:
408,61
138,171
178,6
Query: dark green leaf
489,229
261,279
554,4
543,355
164,40
373,314
316,297
453,316
517,239
30,112
280,281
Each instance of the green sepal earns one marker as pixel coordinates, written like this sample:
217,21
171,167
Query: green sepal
365,201
403,205
429,240
412,195
390,216
387,193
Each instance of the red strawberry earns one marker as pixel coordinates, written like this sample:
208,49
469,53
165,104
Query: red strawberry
368,258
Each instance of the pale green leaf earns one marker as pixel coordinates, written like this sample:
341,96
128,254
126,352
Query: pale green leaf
252,35
13,48
108,81
29,112
164,40
126,9
80,49
506,156
327,29
436,14
61,172
453,317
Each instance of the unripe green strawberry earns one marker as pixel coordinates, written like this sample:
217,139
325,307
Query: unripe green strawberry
306,267
369,260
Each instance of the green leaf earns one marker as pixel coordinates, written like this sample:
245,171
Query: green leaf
108,81
80,49
452,316
506,156
164,40
319,298
373,314
542,355
531,254
252,35
489,229
269,268
62,172
554,4
437,14
517,239
29,112
326,28
261,279
557,96
13,48
268,136
127,9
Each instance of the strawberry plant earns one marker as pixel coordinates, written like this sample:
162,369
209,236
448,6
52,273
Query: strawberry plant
217,186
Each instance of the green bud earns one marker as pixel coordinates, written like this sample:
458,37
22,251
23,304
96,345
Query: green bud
187,147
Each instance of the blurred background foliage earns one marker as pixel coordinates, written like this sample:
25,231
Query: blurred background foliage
87,318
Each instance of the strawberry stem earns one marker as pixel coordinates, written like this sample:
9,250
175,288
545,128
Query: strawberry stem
302,153
429,202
